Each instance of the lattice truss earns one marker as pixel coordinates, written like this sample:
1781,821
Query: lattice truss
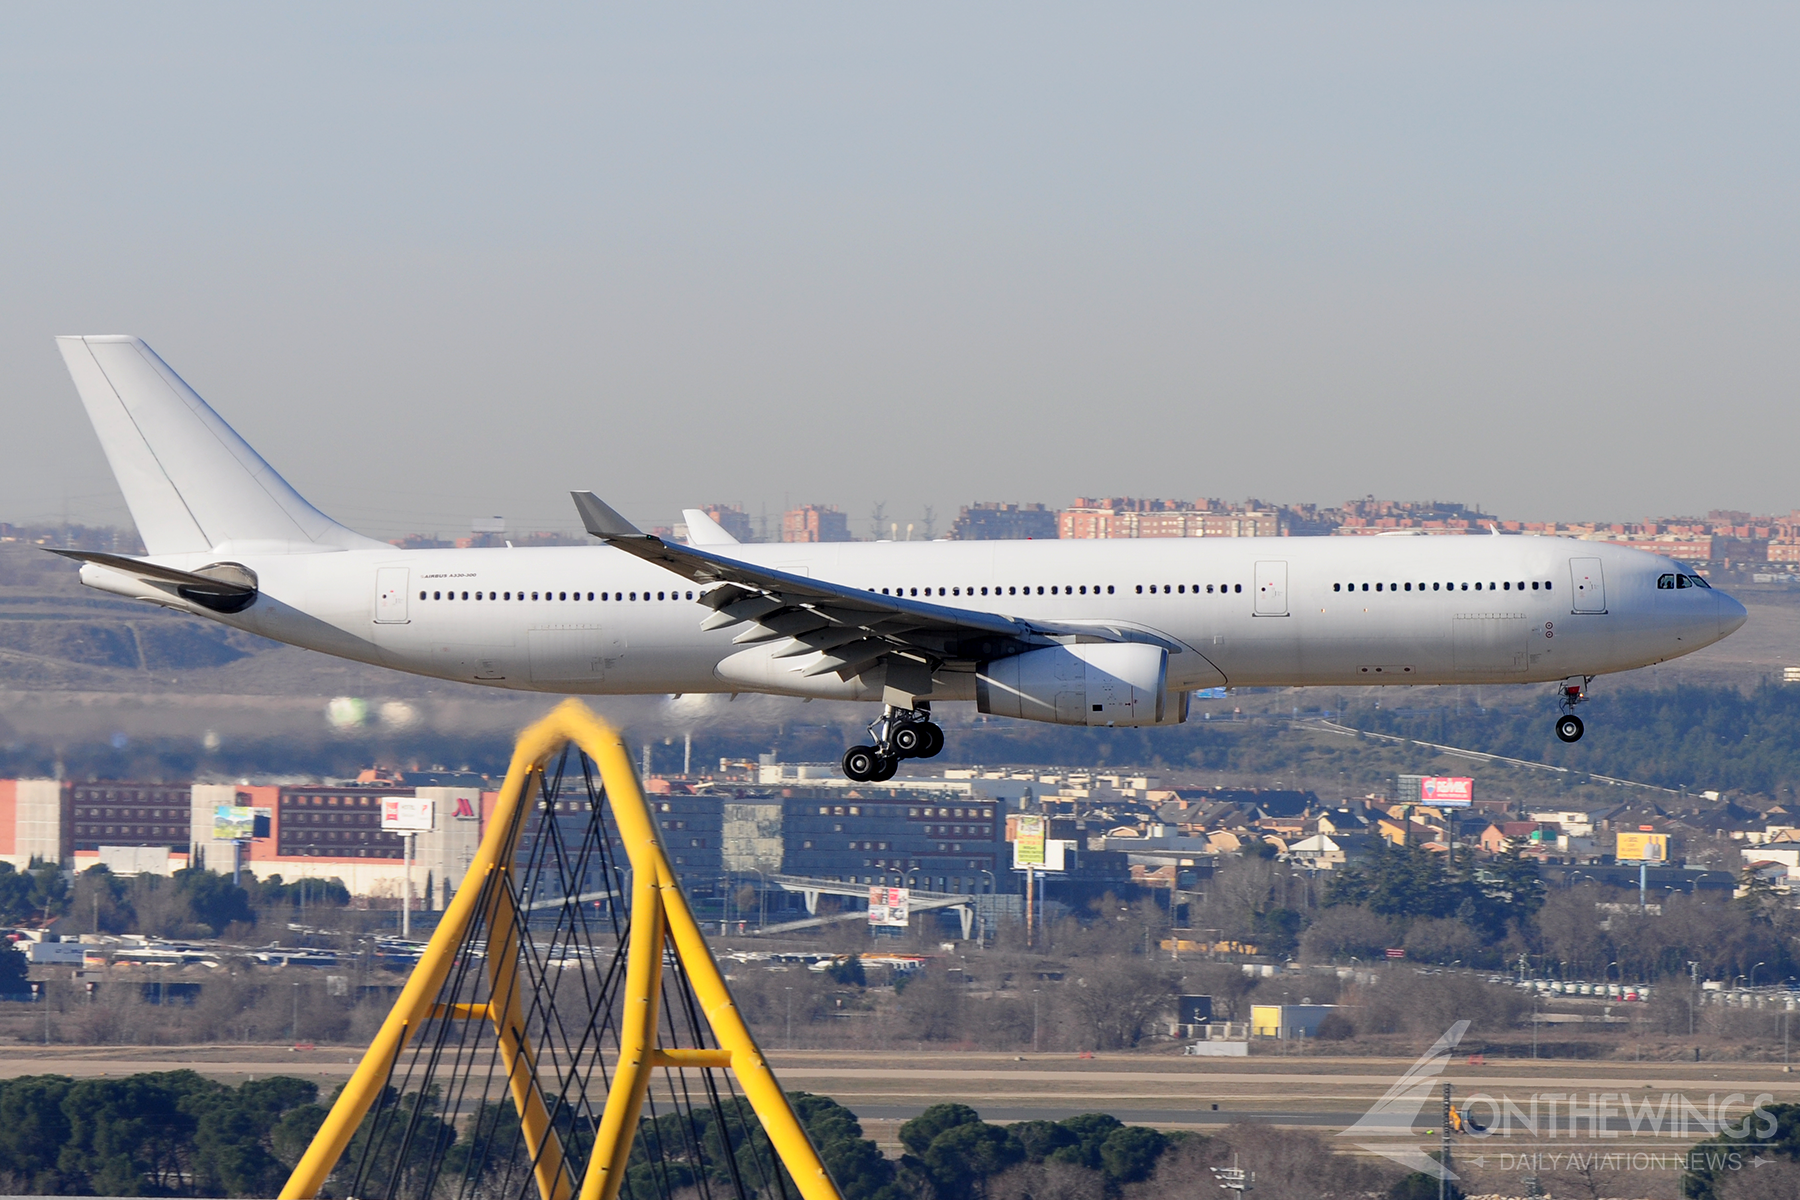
566,1034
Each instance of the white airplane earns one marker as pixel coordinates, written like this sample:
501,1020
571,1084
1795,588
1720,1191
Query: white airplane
1096,633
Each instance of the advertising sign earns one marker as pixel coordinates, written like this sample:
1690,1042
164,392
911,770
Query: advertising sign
889,906
1443,791
1643,847
1028,850
404,814
234,823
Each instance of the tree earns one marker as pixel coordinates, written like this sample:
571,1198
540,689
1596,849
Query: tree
232,1136
1396,881
849,972
1130,1154
857,1165
1041,1139
1420,1186
1346,931
33,1130
132,1135
1713,1163
15,971
918,1134
99,905
215,900
961,1159
1115,998
1569,924
1442,940
16,896
49,888
1090,1131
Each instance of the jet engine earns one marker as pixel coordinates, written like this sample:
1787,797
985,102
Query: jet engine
1097,683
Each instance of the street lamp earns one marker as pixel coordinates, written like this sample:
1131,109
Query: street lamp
1753,975
981,917
762,902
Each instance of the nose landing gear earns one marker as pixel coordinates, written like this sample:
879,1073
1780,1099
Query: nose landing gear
898,733
1570,692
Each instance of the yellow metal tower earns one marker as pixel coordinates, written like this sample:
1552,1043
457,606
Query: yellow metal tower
486,1007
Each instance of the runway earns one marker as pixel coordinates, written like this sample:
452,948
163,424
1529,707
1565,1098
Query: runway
1164,1090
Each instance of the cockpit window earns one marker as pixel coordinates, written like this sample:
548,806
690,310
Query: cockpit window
1692,581
1665,582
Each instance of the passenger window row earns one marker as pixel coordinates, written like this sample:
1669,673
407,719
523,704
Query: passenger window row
1507,586
451,595
1065,590
1054,590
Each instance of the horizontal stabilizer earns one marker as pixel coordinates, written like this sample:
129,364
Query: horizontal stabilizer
225,587
162,574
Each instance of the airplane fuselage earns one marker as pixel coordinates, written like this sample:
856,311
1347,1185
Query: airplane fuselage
1232,611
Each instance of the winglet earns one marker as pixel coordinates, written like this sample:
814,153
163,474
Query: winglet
600,519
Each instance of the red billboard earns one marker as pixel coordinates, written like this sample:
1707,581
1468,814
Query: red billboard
1444,791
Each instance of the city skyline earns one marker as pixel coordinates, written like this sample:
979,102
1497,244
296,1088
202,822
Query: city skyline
1719,535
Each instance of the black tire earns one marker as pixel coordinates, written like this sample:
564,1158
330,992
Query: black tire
888,764
909,741
934,741
861,763
1569,727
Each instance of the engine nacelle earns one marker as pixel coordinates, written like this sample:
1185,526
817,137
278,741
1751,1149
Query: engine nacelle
1098,683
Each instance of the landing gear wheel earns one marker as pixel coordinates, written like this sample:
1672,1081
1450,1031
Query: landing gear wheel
934,741
1569,727
885,767
861,763
910,741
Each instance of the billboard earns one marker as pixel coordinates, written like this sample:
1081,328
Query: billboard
889,906
1446,791
1028,848
234,823
404,814
1642,847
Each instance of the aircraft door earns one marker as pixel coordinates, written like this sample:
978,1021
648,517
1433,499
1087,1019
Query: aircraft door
1271,589
1589,583
390,596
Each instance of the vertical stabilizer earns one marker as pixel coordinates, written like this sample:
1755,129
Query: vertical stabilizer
191,482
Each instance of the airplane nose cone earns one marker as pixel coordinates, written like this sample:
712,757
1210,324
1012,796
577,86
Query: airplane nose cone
1731,615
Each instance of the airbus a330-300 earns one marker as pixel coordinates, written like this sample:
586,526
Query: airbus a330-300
1094,633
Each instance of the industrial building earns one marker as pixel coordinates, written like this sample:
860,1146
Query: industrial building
940,835
299,832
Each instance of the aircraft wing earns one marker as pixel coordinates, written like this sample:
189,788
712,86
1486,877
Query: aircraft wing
851,629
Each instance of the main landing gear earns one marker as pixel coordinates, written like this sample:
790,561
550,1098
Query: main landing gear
1571,692
898,733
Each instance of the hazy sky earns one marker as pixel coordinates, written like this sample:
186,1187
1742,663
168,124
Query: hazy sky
438,262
